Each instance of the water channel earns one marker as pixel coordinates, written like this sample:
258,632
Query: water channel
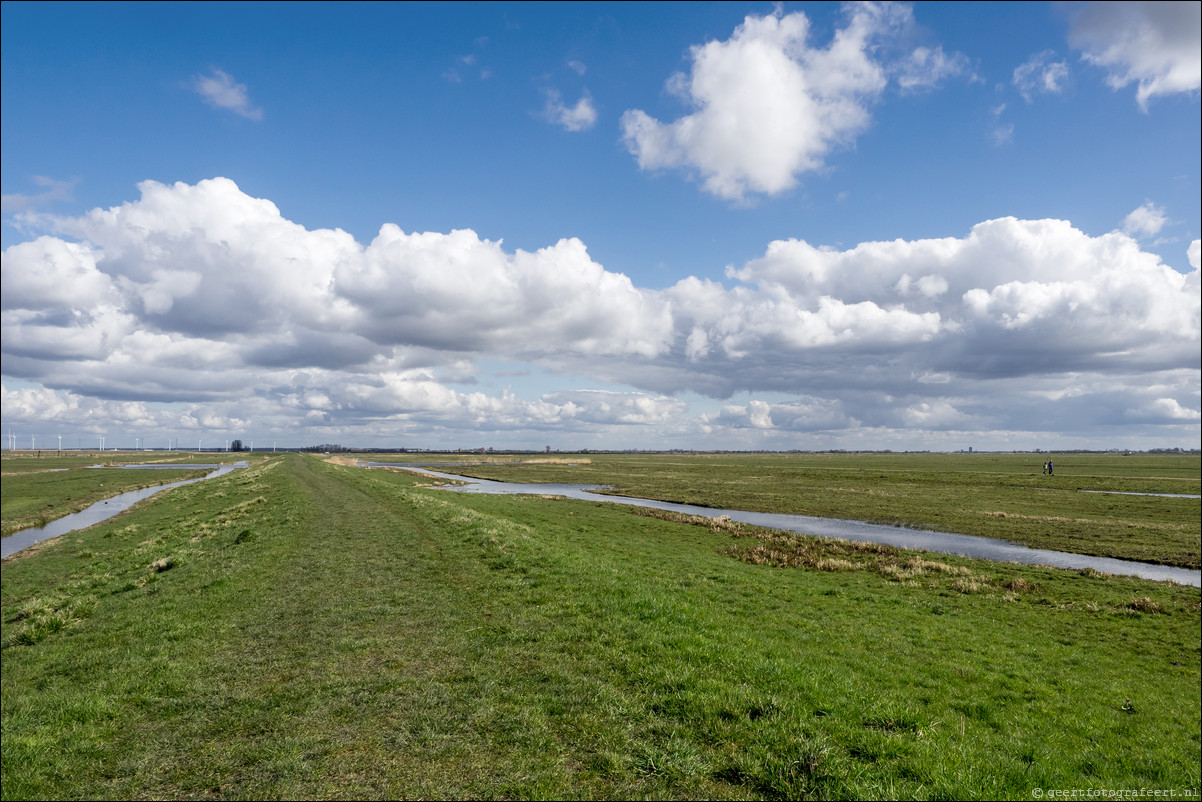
106,508
922,539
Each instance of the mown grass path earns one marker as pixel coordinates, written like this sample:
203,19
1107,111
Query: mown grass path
304,630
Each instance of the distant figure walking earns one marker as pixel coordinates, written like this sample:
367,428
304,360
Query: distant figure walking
1049,467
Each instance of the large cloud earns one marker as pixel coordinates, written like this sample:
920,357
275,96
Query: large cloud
1155,45
1014,298
458,292
198,306
770,106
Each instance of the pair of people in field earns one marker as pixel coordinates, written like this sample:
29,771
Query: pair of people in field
1047,467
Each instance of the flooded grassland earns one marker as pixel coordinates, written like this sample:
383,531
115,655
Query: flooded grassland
1003,496
300,629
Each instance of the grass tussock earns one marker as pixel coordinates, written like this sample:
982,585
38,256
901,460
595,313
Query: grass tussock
1020,585
38,618
1143,604
164,564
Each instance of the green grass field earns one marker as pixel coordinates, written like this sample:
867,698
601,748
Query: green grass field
306,630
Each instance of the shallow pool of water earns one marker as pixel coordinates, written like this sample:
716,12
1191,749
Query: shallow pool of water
924,539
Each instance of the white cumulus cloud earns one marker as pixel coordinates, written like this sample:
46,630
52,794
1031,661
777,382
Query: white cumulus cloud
769,105
1155,45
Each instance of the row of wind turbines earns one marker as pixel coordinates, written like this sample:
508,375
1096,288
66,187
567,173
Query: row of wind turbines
172,445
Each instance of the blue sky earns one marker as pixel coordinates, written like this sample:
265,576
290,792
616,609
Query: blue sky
718,225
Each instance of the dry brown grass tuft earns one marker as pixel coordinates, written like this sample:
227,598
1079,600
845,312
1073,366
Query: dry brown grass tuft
1143,604
164,564
1020,585
965,585
835,564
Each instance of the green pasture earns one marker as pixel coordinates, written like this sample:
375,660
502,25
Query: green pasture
305,630
1004,496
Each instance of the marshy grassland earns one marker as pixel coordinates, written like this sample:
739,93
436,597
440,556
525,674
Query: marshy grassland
302,629
1004,496
35,499
21,462
38,489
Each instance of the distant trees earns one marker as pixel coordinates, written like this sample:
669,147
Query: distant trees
237,446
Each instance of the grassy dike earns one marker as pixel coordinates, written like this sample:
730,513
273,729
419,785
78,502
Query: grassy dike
301,629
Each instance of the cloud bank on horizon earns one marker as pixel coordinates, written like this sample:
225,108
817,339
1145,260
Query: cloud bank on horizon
199,310
210,302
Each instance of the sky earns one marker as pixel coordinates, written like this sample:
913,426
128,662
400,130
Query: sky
862,226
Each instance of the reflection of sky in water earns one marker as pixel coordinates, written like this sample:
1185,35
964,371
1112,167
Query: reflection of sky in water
923,539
